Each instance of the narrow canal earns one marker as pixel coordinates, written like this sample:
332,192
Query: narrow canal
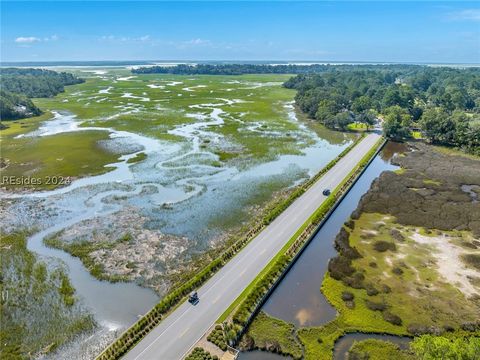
298,299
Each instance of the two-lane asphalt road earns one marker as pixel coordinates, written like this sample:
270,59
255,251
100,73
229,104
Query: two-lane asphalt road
176,334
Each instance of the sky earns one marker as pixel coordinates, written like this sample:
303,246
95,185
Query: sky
387,31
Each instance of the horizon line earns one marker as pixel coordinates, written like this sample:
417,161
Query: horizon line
236,61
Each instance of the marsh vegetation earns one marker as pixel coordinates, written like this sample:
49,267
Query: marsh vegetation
145,155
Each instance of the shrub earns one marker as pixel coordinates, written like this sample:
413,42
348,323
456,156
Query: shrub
386,289
201,354
350,224
439,347
448,328
371,290
355,281
392,318
397,235
375,306
471,326
472,260
382,246
347,296
340,267
397,271
350,304
419,329
342,245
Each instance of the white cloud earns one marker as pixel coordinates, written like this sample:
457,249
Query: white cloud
125,39
51,38
197,42
467,14
27,39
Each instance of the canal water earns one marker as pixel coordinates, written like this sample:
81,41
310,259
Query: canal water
298,299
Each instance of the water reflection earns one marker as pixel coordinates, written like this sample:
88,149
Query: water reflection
391,149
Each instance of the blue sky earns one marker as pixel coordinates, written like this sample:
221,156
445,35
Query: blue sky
332,31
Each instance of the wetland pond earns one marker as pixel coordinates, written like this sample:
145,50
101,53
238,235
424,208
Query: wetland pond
298,299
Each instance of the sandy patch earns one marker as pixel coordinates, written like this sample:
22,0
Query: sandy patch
126,78
154,86
131,96
450,265
174,83
192,88
105,91
256,85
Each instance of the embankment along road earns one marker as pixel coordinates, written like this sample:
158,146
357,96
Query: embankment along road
177,333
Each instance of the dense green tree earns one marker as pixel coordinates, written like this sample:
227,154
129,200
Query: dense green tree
362,103
19,84
396,123
343,119
16,106
416,112
36,82
448,96
467,132
326,110
438,126
238,69
400,95
368,118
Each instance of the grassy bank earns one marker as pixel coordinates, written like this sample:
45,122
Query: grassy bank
17,127
82,250
53,161
266,328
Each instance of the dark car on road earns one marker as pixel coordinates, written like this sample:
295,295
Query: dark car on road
193,298
326,192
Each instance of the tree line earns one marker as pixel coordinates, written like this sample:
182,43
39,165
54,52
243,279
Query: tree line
241,69
21,84
444,103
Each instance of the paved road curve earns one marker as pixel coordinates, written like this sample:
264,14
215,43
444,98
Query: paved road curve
176,334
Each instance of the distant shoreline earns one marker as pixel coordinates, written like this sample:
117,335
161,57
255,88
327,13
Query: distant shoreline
123,63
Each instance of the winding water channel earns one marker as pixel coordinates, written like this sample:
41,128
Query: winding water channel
298,299
170,175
